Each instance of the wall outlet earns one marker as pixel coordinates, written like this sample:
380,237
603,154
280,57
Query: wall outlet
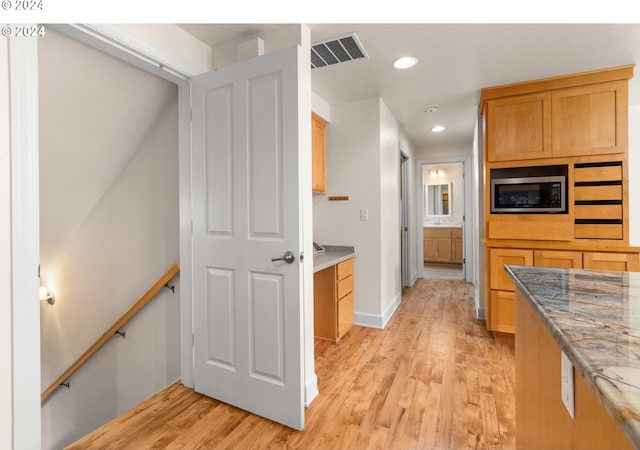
567,385
364,214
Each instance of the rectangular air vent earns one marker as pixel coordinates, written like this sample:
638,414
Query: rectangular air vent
336,50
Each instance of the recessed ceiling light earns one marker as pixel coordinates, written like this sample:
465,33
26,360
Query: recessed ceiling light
405,62
437,128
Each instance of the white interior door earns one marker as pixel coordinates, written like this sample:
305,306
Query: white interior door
248,315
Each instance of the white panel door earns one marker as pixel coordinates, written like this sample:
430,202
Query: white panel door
248,345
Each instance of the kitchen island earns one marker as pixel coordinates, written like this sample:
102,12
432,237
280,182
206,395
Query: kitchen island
594,318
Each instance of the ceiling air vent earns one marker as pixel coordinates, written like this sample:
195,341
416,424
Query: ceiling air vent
336,50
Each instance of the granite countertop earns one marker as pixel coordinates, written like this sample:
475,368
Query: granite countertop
595,318
333,254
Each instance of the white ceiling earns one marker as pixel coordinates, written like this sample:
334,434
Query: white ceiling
456,61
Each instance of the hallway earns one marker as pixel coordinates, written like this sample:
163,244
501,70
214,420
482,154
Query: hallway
433,379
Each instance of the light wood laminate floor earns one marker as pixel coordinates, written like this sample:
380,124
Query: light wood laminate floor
433,379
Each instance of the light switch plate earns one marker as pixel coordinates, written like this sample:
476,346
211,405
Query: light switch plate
364,214
567,385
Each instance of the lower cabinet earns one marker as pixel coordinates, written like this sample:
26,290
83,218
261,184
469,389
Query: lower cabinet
442,245
500,314
333,301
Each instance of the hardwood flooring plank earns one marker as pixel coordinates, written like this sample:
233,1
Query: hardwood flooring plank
435,378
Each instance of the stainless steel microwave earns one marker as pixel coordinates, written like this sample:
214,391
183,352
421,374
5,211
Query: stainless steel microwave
533,194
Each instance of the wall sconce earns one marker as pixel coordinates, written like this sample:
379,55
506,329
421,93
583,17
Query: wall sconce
440,173
46,294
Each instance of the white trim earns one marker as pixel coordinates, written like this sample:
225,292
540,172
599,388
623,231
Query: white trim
124,45
375,320
25,242
311,390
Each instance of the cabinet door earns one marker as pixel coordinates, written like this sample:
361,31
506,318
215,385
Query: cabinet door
429,247
319,161
345,314
456,250
519,128
590,120
324,303
499,257
503,311
444,249
557,258
626,262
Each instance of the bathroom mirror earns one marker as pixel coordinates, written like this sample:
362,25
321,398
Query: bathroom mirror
438,199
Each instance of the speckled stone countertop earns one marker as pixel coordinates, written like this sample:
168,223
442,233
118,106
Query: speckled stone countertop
333,254
595,318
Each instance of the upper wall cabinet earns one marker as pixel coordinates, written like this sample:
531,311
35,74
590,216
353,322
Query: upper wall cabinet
519,127
319,158
574,115
590,120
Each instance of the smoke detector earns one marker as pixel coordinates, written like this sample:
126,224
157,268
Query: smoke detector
431,108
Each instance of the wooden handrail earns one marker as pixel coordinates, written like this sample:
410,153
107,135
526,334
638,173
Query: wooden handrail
124,318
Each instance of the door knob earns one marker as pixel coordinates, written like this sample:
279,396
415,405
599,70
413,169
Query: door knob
287,257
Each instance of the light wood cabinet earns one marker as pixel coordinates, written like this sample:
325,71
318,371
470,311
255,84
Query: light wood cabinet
333,300
558,258
578,120
457,249
625,262
519,127
589,119
442,245
319,154
567,116
543,421
500,315
501,287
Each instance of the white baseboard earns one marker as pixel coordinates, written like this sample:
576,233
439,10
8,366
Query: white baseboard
414,278
311,390
377,321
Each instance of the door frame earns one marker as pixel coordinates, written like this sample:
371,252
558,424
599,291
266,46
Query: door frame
405,220
469,243
123,45
25,332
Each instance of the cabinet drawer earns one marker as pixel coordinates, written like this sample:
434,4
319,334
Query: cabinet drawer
558,258
345,268
456,233
345,314
437,232
593,193
345,286
598,173
626,262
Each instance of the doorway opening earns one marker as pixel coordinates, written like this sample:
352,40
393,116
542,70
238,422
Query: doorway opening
443,243
445,246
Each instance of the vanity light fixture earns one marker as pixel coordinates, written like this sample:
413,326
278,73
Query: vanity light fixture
46,294
405,62
437,128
